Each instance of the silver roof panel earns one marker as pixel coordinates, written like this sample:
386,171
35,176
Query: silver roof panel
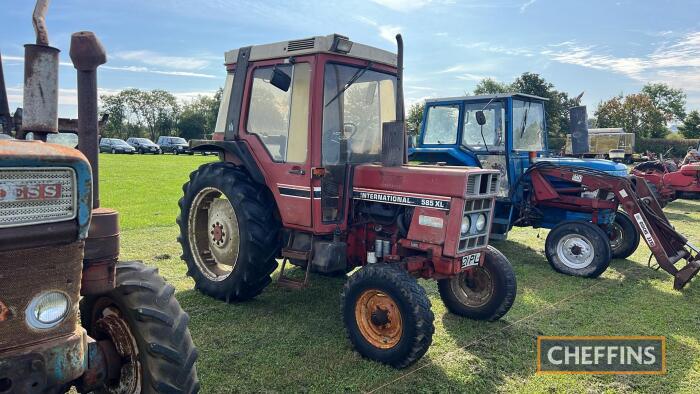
312,45
486,97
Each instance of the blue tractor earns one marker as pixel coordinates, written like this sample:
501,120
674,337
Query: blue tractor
508,132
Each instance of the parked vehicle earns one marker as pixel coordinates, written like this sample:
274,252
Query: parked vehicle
670,180
333,195
115,145
143,145
71,313
606,143
587,204
175,145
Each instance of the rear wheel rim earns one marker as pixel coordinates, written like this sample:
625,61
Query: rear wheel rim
473,288
379,319
213,234
575,251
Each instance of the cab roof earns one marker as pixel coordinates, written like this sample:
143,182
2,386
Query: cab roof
486,97
312,45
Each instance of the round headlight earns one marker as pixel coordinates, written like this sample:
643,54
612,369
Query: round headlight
480,222
466,223
47,309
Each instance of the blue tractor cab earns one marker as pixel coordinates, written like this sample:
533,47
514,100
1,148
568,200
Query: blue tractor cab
511,136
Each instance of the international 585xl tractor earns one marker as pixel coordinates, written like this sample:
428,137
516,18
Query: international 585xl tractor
670,180
311,133
71,314
587,204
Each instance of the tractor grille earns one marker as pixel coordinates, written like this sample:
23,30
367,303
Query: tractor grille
26,273
482,184
476,238
36,195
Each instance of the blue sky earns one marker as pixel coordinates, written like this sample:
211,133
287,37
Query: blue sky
602,47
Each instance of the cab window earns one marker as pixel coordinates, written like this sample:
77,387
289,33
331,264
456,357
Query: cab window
488,137
528,125
280,118
441,125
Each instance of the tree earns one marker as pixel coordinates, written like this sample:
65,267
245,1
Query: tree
635,113
159,110
669,101
116,123
414,118
691,125
491,86
198,117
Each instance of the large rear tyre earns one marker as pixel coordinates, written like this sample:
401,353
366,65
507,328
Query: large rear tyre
483,292
624,237
142,323
578,249
228,232
387,315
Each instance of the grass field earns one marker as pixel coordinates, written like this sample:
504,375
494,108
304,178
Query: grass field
293,341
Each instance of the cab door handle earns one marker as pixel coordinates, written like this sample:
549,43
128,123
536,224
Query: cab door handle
297,171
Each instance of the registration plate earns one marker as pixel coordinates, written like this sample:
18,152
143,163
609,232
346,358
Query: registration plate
471,260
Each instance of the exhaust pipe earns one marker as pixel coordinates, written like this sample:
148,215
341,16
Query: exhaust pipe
40,100
394,141
5,116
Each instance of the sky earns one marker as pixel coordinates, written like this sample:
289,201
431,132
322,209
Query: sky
602,47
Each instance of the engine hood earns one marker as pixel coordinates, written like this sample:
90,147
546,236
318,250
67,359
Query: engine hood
608,166
442,181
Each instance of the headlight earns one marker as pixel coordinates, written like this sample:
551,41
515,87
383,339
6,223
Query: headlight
480,222
47,310
466,224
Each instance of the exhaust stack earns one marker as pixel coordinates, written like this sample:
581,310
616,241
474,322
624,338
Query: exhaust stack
40,101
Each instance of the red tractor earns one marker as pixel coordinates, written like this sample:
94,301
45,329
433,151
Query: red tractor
313,172
670,181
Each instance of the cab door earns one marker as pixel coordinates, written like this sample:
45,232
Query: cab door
277,129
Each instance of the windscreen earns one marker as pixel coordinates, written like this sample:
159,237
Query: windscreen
528,125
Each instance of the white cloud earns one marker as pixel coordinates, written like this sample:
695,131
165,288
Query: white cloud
141,69
525,5
387,32
156,59
403,5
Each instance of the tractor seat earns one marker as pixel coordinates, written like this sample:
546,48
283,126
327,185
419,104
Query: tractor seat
690,169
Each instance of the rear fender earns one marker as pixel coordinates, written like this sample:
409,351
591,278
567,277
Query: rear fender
236,152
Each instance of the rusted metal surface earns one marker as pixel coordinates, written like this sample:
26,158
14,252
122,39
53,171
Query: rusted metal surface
40,101
117,331
45,366
39,22
98,277
87,53
103,236
26,273
96,372
4,312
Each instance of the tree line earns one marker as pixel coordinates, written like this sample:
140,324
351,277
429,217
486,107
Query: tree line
150,114
646,113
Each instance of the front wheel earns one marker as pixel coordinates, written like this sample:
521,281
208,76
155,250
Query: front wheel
624,237
578,249
143,324
387,315
483,292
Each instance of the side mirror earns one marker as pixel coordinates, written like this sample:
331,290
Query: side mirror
480,118
280,79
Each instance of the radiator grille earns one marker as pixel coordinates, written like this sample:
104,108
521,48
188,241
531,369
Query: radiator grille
36,195
482,184
476,238
26,273
298,45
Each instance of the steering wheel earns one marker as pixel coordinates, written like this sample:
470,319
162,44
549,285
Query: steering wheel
351,128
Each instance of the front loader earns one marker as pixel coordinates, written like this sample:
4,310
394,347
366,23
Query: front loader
313,172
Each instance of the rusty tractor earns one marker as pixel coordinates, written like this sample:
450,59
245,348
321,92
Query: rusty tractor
71,314
313,172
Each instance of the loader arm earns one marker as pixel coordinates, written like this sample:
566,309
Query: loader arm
631,194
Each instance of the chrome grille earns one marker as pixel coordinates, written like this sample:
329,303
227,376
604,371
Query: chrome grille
36,195
482,184
474,238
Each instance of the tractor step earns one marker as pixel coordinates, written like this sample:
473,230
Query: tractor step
295,254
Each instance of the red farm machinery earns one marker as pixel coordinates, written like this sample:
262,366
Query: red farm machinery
313,172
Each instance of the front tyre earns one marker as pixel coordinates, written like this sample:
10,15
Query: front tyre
142,322
228,232
624,237
387,315
483,292
578,249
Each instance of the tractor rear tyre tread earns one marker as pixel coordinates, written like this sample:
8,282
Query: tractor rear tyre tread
258,231
502,298
413,303
602,253
156,321
630,236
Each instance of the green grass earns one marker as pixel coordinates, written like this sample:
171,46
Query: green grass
291,341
